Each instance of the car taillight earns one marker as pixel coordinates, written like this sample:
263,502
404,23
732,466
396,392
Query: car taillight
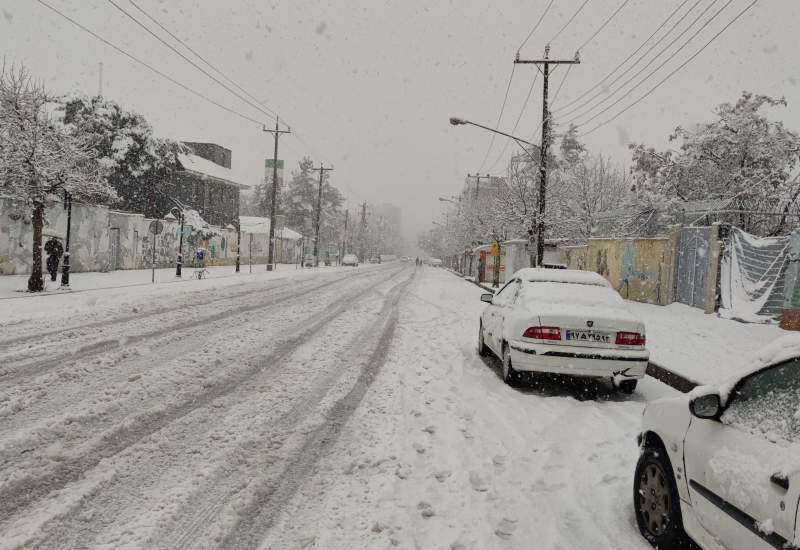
630,339
543,333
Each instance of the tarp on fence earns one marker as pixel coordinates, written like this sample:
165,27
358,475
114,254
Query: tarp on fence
752,277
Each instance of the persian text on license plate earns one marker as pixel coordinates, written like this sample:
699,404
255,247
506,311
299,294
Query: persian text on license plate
588,336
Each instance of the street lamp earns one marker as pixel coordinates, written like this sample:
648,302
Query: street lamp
66,266
179,259
455,121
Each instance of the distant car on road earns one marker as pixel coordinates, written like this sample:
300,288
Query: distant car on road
566,322
308,260
722,465
350,259
374,260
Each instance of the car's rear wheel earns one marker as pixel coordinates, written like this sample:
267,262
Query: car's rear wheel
628,386
656,502
483,351
510,375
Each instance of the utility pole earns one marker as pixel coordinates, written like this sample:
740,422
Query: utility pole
344,238
545,70
478,178
322,170
276,133
361,231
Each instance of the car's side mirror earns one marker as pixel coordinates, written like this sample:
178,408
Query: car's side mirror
706,406
487,297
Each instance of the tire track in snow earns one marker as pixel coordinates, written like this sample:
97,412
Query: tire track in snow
264,508
15,496
37,366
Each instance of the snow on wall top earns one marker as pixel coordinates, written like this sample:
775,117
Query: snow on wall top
207,168
574,276
258,224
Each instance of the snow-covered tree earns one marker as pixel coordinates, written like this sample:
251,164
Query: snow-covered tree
39,158
138,163
299,202
741,156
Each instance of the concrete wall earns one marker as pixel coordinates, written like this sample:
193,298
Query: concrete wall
93,240
640,269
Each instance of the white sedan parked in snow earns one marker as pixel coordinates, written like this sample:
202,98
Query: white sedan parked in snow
564,322
723,464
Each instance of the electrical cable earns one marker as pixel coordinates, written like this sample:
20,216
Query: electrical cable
146,65
499,118
536,26
603,26
651,90
574,15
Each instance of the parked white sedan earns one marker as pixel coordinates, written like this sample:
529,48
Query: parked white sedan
564,322
723,464
350,259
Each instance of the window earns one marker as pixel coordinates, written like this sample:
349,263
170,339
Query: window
506,296
767,403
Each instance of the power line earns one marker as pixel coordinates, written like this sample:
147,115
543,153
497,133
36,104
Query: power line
596,85
195,65
588,109
150,67
574,15
499,118
555,96
519,117
536,26
682,65
603,26
203,59
630,91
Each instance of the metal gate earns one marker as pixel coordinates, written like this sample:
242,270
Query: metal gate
114,242
691,279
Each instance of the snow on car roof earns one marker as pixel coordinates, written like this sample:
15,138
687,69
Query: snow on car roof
574,276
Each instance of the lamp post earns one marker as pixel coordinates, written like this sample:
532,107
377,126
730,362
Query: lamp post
66,266
179,259
537,224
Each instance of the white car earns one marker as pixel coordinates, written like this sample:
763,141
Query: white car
564,322
309,260
722,465
350,259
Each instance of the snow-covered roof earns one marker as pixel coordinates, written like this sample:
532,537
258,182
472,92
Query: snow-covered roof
574,276
258,224
205,168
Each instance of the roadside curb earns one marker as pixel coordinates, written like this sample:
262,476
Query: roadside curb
660,373
476,283
671,378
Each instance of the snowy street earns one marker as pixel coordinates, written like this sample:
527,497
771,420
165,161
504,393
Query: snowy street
333,409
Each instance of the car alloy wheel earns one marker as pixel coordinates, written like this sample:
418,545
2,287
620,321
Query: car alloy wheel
654,499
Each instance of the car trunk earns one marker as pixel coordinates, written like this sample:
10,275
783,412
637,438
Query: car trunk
589,326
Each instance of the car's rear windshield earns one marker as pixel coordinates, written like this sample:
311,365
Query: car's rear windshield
570,293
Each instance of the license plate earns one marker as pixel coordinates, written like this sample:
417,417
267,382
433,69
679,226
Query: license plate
588,336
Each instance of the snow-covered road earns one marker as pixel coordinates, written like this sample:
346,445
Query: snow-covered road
339,410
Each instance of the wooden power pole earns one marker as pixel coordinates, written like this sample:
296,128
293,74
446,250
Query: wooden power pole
322,171
545,70
276,133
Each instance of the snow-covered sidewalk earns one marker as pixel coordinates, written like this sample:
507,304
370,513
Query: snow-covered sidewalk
702,347
94,290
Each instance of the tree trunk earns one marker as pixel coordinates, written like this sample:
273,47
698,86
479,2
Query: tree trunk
35,282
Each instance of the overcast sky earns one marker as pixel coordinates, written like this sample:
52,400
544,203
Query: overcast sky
369,85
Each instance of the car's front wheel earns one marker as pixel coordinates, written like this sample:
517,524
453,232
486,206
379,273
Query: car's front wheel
510,375
483,351
628,386
656,501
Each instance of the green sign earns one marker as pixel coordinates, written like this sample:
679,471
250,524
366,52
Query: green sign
269,162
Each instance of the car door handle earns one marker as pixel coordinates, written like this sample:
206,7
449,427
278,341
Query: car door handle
781,480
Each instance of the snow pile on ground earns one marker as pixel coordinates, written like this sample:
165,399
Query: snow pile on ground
704,348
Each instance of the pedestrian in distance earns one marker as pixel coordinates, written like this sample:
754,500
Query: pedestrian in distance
54,252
